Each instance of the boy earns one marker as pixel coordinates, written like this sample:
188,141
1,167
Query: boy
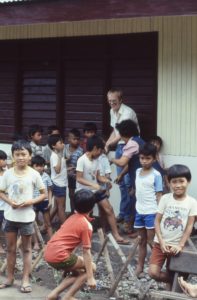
3,204
88,176
52,129
35,135
38,163
72,151
19,182
174,222
129,161
58,175
59,250
148,192
89,130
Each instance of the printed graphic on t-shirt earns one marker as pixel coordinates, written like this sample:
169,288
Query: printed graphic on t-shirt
174,220
92,173
19,191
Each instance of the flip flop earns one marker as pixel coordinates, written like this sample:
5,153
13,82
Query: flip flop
5,285
26,288
123,242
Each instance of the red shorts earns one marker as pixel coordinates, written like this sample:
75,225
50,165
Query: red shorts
158,257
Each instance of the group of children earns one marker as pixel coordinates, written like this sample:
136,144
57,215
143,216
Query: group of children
27,189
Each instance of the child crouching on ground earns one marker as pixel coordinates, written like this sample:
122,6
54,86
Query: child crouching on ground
59,254
174,222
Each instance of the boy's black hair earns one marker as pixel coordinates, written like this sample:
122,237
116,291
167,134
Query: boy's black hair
84,201
94,141
33,129
51,128
148,149
3,155
38,160
90,126
179,171
157,139
21,145
127,128
53,139
75,132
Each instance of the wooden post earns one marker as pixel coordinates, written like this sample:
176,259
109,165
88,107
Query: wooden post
102,248
125,265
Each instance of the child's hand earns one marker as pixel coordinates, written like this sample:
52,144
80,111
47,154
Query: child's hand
96,186
91,282
118,179
165,248
175,249
27,203
16,205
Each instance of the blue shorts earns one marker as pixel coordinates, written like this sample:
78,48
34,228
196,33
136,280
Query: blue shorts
1,216
147,221
59,191
18,227
42,206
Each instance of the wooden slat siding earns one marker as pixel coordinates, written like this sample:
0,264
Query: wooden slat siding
7,96
193,140
39,96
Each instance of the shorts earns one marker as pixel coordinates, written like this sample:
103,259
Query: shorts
67,264
101,195
59,191
42,206
147,221
71,182
158,257
18,227
1,216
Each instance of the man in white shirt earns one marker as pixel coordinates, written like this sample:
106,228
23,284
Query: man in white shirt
118,113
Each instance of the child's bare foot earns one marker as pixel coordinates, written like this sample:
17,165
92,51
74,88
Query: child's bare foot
36,247
2,251
139,272
52,296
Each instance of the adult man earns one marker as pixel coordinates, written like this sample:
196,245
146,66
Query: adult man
118,113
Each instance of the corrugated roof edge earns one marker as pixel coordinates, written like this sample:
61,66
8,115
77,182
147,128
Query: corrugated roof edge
2,2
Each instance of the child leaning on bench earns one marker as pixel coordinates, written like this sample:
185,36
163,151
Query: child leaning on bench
59,253
174,222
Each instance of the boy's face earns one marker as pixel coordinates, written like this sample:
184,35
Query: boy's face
39,168
21,157
156,144
73,140
59,146
3,163
146,161
89,133
179,186
96,152
114,101
37,137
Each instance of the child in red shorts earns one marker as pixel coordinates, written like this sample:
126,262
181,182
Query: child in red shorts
174,222
59,250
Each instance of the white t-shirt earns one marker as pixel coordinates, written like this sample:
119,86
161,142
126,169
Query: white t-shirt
89,169
59,179
20,189
104,165
175,216
146,188
124,113
3,204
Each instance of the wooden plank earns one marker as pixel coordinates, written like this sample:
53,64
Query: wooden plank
156,295
185,262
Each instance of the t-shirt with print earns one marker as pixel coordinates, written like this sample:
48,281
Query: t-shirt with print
47,183
59,179
146,188
20,188
76,230
175,216
89,169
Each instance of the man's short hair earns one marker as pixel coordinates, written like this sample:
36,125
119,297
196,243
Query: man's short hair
21,145
127,128
176,171
84,201
117,91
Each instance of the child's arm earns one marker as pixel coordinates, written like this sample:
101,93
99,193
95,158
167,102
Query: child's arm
89,270
50,196
121,175
36,200
158,196
82,180
103,179
120,162
186,234
57,167
164,247
11,202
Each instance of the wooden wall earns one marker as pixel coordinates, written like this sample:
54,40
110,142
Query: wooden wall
177,67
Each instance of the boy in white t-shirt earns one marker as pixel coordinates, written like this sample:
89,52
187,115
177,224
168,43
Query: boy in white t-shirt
3,204
88,177
148,192
19,183
58,175
174,222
